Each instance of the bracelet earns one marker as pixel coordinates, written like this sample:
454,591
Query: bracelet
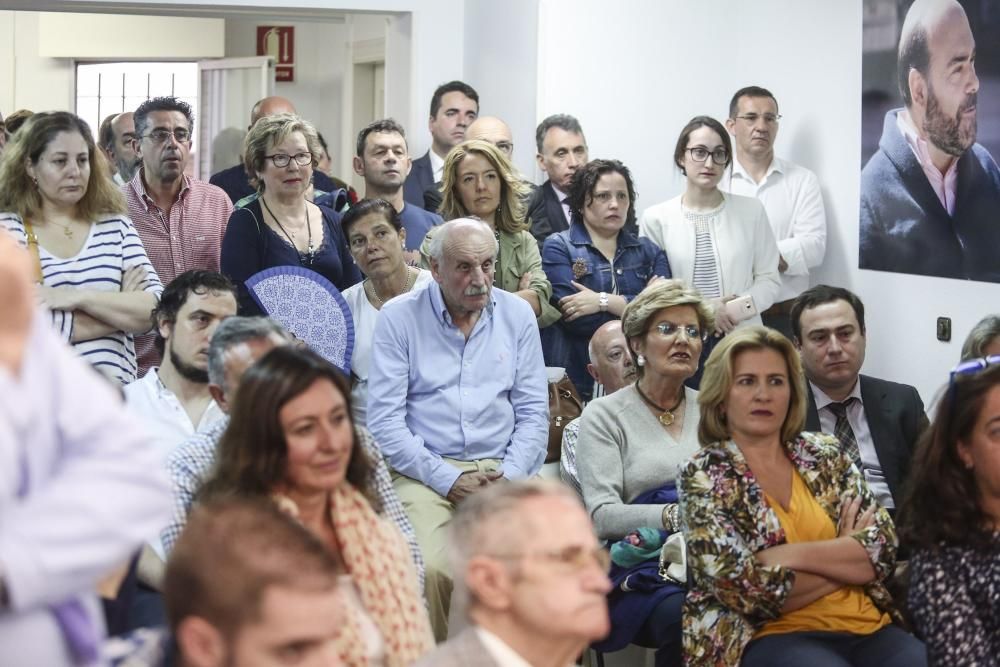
671,517
602,301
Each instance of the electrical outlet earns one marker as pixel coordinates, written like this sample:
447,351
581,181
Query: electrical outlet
944,329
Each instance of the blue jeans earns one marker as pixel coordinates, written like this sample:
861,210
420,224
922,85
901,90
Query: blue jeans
889,647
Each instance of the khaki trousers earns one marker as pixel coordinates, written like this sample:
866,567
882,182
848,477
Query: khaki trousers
430,514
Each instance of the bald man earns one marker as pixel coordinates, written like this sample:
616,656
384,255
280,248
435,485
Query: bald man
235,180
611,366
930,193
486,128
121,149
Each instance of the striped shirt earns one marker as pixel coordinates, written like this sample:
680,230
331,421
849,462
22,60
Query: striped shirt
112,246
188,237
706,259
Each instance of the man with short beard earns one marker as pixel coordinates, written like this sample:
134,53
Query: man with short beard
122,147
930,194
174,399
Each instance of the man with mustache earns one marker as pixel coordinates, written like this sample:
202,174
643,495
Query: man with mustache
611,366
457,392
930,195
789,192
180,220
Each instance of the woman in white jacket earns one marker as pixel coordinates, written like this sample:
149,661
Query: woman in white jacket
720,244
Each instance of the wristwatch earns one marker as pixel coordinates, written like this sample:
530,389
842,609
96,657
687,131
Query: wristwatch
602,301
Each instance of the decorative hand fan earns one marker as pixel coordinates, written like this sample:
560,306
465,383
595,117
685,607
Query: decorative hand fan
310,307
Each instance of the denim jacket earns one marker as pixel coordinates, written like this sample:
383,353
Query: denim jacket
570,256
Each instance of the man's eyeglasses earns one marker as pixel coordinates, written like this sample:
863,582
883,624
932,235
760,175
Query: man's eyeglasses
699,154
159,136
280,160
752,118
669,330
576,557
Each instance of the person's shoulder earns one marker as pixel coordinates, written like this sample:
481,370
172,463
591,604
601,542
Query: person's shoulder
741,204
513,305
816,444
623,400
663,210
404,305
869,383
227,174
13,223
794,170
209,191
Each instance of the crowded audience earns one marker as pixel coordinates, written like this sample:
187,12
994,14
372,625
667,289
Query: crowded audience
729,492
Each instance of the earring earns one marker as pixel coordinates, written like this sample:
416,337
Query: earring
35,181
640,360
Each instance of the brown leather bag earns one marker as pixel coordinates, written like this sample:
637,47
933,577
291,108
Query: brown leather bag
564,406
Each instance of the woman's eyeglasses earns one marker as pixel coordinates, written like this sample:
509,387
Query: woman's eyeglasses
280,160
669,330
699,154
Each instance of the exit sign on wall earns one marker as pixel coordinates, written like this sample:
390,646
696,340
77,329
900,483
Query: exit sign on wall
279,43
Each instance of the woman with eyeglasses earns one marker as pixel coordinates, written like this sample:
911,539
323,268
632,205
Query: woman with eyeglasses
597,265
720,244
632,443
93,272
282,227
951,521
788,549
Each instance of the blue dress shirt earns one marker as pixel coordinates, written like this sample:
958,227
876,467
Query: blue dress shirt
434,394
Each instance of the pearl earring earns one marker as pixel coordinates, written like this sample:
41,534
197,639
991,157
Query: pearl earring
641,360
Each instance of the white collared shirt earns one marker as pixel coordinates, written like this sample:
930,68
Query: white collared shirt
794,204
871,467
562,202
945,185
498,649
169,424
437,165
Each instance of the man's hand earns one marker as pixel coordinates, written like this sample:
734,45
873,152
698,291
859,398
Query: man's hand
470,482
17,302
782,264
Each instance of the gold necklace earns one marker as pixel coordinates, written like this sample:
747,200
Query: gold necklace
411,279
666,416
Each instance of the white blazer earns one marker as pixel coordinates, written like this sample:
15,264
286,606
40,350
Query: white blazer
746,251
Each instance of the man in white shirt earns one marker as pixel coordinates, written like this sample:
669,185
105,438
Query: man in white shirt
790,195
454,106
174,399
526,555
120,147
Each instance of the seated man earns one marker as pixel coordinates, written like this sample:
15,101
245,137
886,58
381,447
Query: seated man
877,422
611,366
457,392
535,575
173,399
247,585
236,345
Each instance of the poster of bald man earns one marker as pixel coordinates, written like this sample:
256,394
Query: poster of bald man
930,186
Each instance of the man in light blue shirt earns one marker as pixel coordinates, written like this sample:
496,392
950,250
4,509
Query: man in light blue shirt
458,396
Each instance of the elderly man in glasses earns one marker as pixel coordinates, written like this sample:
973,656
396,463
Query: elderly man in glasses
790,195
526,556
179,219
876,421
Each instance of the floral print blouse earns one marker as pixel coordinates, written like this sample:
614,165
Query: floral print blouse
726,520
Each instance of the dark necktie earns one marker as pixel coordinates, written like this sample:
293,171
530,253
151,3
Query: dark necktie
843,432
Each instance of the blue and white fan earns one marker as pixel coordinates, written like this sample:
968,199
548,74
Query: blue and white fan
310,307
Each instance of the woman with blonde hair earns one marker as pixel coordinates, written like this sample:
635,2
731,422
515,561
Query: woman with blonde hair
94,275
633,442
788,550
292,439
282,227
480,182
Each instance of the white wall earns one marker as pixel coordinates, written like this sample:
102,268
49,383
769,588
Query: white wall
501,63
27,80
635,73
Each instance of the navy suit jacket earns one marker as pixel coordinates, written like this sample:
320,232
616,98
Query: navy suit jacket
421,177
546,213
904,227
896,419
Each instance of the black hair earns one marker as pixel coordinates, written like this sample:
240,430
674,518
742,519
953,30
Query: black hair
141,116
694,124
366,207
749,91
817,296
581,190
384,125
452,87
176,293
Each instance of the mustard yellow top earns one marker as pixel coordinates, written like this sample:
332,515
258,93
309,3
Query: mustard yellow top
848,609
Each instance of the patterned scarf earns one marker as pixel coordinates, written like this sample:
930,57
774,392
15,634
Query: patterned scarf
377,558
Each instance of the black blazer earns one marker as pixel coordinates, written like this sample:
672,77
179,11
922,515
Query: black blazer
421,177
896,419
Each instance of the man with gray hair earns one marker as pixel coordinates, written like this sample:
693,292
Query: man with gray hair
562,149
236,345
526,557
458,396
